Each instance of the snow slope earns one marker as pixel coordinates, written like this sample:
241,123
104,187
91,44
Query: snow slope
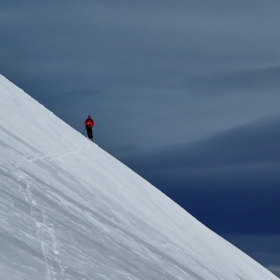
69,210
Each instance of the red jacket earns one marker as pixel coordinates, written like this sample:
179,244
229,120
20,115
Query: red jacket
89,122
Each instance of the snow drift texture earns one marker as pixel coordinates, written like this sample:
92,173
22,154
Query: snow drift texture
69,210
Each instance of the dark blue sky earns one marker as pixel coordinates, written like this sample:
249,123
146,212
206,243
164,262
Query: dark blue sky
186,93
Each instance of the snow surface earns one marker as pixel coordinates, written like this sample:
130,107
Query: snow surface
69,210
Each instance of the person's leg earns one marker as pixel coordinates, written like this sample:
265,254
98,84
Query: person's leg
89,132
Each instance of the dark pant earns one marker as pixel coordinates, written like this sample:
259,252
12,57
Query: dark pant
89,132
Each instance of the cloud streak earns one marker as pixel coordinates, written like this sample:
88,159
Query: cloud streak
256,143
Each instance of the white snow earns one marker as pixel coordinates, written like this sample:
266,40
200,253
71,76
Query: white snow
69,210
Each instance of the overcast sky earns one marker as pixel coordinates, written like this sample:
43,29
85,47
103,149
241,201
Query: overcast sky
184,92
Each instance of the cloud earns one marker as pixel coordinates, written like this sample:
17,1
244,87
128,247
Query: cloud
251,80
72,95
263,248
274,269
256,143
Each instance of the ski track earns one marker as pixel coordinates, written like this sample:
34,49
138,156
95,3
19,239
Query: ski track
54,156
45,232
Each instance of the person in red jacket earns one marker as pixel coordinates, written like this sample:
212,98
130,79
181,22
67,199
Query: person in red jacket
89,123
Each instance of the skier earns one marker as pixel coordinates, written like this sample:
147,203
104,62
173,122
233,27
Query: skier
89,123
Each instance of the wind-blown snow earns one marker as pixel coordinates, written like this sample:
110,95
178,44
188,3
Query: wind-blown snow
69,210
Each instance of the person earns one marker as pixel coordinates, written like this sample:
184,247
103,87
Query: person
89,123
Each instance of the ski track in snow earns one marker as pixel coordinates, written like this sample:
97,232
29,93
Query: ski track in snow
45,231
54,156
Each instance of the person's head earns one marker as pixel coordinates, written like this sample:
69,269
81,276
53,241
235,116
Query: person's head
89,116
